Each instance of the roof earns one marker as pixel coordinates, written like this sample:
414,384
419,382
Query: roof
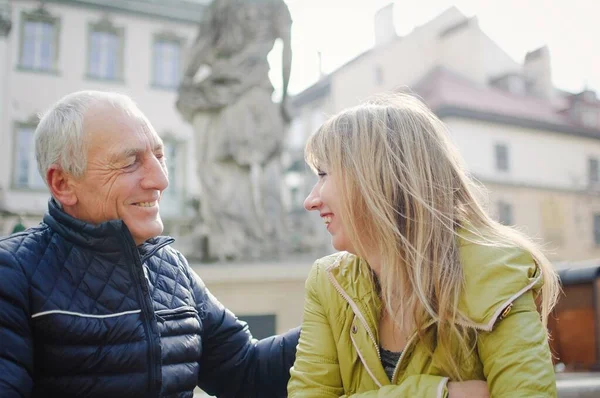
451,94
318,90
178,10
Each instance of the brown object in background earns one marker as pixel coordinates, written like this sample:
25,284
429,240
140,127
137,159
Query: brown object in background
575,323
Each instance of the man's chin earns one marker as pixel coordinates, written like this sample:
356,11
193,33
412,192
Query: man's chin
148,231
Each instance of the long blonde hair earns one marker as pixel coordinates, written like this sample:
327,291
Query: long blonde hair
405,191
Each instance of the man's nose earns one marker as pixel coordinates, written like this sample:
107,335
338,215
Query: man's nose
155,175
313,200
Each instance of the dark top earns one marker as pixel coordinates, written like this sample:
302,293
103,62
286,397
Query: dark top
389,360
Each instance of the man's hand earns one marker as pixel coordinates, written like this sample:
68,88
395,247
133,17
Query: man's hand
468,389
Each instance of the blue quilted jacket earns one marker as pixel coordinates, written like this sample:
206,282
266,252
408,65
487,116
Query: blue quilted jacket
86,313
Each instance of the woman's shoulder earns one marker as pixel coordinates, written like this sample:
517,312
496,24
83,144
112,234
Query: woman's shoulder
341,272
340,264
486,261
494,276
329,264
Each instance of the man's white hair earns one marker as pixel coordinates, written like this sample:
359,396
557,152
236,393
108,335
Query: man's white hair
59,137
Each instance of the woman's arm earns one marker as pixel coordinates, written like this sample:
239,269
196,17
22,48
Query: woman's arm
316,372
516,356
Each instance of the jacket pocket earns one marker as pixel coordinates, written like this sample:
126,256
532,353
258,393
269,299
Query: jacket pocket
176,313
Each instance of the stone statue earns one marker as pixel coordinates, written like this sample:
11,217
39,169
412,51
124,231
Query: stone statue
226,96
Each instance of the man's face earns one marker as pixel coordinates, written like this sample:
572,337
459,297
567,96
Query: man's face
125,175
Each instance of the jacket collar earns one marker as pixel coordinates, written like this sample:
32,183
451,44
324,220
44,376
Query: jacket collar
110,238
355,278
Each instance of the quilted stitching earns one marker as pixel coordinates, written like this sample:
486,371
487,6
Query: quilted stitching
80,283
67,278
164,283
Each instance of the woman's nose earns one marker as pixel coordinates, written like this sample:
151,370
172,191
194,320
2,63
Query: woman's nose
312,201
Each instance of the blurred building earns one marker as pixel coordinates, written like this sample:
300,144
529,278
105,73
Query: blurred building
53,48
534,147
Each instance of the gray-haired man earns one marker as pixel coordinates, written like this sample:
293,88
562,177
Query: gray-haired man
93,302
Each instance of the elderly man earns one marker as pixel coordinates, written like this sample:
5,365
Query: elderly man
93,302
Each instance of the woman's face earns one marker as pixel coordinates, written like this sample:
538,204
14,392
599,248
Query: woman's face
325,199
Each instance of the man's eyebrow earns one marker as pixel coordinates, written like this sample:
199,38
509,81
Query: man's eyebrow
125,154
133,152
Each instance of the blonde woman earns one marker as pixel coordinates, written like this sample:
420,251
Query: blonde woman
427,290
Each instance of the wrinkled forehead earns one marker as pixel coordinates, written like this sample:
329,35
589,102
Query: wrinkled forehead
110,131
109,121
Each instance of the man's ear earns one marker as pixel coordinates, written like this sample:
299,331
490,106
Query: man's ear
61,185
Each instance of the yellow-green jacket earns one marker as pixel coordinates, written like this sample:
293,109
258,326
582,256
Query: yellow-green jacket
338,351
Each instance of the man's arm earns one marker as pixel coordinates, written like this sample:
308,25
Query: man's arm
16,344
233,364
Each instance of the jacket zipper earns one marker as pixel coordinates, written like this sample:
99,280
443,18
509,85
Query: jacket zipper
365,362
156,248
406,347
356,311
360,316
147,312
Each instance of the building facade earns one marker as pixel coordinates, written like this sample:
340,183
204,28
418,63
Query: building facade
533,147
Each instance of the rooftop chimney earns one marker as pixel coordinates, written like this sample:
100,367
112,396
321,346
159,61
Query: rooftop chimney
385,30
538,73
320,62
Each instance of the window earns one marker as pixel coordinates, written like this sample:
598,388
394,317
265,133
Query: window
502,161
505,213
39,41
317,119
260,326
378,75
174,203
166,63
593,174
296,138
171,162
589,117
26,174
105,52
597,229
295,194
553,220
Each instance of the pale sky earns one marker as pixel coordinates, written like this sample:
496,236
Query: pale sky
342,29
